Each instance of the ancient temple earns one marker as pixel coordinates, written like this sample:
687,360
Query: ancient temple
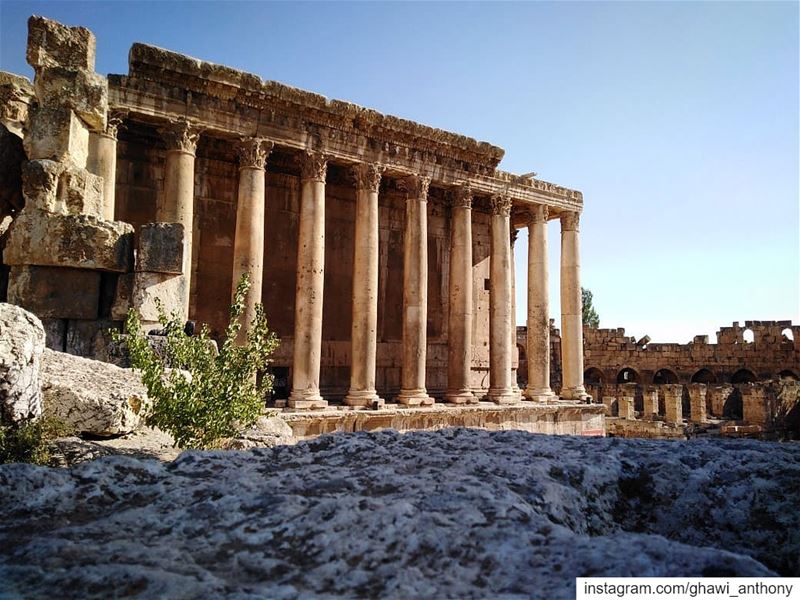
381,249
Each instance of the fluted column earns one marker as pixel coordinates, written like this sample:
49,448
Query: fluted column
364,336
500,321
310,284
177,205
103,160
248,246
538,321
459,332
415,292
571,310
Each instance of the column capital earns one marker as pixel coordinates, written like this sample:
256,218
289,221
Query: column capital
367,176
113,122
415,186
539,213
461,196
253,152
501,205
313,166
570,221
180,135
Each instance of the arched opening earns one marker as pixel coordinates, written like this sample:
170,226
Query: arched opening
593,376
787,337
743,376
748,336
665,376
733,408
788,375
627,375
704,376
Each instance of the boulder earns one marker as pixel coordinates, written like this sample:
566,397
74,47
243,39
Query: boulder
91,396
21,347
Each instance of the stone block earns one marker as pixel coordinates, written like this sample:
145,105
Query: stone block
123,297
51,44
626,410
54,293
21,348
89,338
55,331
140,291
159,248
40,185
16,95
697,402
77,241
84,92
81,192
57,134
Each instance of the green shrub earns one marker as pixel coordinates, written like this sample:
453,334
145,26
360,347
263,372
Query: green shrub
30,441
220,394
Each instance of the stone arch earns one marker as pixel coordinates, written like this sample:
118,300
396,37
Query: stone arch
743,376
628,375
665,376
594,376
704,376
788,374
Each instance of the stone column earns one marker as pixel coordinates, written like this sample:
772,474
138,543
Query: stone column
571,310
673,403
627,393
103,160
500,320
415,292
310,284
650,401
538,323
364,335
177,205
459,332
514,352
248,246
697,402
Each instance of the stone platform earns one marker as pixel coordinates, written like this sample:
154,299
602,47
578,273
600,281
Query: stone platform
554,419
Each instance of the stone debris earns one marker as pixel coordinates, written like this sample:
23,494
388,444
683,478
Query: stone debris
449,514
21,347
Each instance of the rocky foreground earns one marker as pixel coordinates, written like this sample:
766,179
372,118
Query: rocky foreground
454,513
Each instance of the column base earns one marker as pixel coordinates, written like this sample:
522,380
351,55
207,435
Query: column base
414,398
306,400
363,398
543,395
503,396
460,397
577,393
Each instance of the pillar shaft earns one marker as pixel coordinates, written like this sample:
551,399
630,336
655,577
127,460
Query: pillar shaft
514,353
459,332
538,309
571,310
365,288
248,246
500,320
310,284
177,204
103,161
415,292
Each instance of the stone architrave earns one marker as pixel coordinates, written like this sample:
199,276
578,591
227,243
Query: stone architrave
177,204
310,284
571,310
500,385
102,160
364,336
459,347
413,391
697,402
538,341
248,248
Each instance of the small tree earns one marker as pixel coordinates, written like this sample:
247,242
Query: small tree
198,395
590,316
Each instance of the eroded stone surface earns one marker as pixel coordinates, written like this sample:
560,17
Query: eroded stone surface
52,44
21,347
159,248
456,513
54,293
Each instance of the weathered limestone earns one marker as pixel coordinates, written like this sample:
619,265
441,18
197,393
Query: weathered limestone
514,351
177,205
716,396
310,283
364,337
650,394
612,406
51,292
571,310
160,248
500,360
697,402
673,403
627,393
56,133
16,95
143,290
248,248
21,346
538,342
102,160
415,292
51,44
82,91
459,356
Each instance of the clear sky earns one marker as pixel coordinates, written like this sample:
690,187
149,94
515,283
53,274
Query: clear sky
678,121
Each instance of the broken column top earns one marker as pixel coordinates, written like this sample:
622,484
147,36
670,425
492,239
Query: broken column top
51,44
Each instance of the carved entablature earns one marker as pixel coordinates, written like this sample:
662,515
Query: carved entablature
367,176
253,152
501,205
313,166
570,221
460,196
181,135
415,186
113,123
539,213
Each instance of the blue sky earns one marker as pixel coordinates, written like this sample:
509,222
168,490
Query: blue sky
678,121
